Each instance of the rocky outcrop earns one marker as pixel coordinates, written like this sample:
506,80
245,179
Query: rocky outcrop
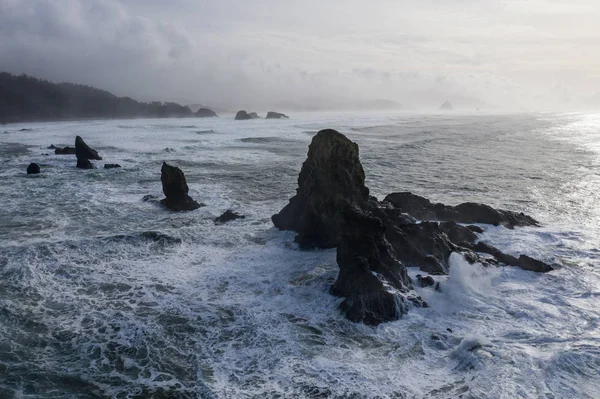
111,166
253,115
242,116
176,189
374,284
205,113
84,164
375,240
33,169
468,212
276,115
446,106
332,171
83,151
228,216
64,151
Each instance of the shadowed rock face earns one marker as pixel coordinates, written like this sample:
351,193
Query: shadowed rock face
84,164
332,171
276,115
376,239
83,151
253,115
205,113
176,189
33,169
242,116
468,212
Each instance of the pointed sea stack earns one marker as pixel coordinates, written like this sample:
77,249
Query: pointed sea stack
332,171
176,189
84,153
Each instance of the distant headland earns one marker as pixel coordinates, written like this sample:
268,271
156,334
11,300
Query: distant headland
28,99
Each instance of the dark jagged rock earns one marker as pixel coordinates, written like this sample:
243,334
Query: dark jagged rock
84,164
33,169
375,240
276,115
242,116
332,171
426,281
534,265
446,106
205,113
64,151
176,189
83,151
468,212
111,166
253,115
227,216
51,147
373,282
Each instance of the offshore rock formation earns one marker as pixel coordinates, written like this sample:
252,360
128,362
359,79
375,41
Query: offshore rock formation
242,116
176,190
112,166
84,153
64,151
468,212
33,169
276,115
228,216
205,113
446,106
332,171
375,240
253,115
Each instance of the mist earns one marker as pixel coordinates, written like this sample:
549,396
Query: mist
230,54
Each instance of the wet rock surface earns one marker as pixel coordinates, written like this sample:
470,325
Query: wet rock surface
276,115
176,190
228,216
33,169
376,240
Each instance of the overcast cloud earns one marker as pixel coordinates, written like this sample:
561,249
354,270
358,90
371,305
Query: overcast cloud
257,54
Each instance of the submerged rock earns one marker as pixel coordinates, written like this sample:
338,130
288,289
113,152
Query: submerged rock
426,281
64,151
468,212
276,115
227,216
83,151
176,189
242,116
205,113
33,169
111,166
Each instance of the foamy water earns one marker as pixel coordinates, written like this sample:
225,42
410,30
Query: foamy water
104,295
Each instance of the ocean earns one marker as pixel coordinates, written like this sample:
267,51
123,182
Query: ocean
104,295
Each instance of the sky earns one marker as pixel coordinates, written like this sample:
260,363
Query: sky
229,54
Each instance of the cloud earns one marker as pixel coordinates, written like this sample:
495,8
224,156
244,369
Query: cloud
236,53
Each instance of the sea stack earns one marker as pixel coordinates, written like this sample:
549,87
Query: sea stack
276,115
446,106
242,116
176,189
84,154
375,240
205,113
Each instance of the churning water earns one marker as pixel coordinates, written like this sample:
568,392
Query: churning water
105,295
